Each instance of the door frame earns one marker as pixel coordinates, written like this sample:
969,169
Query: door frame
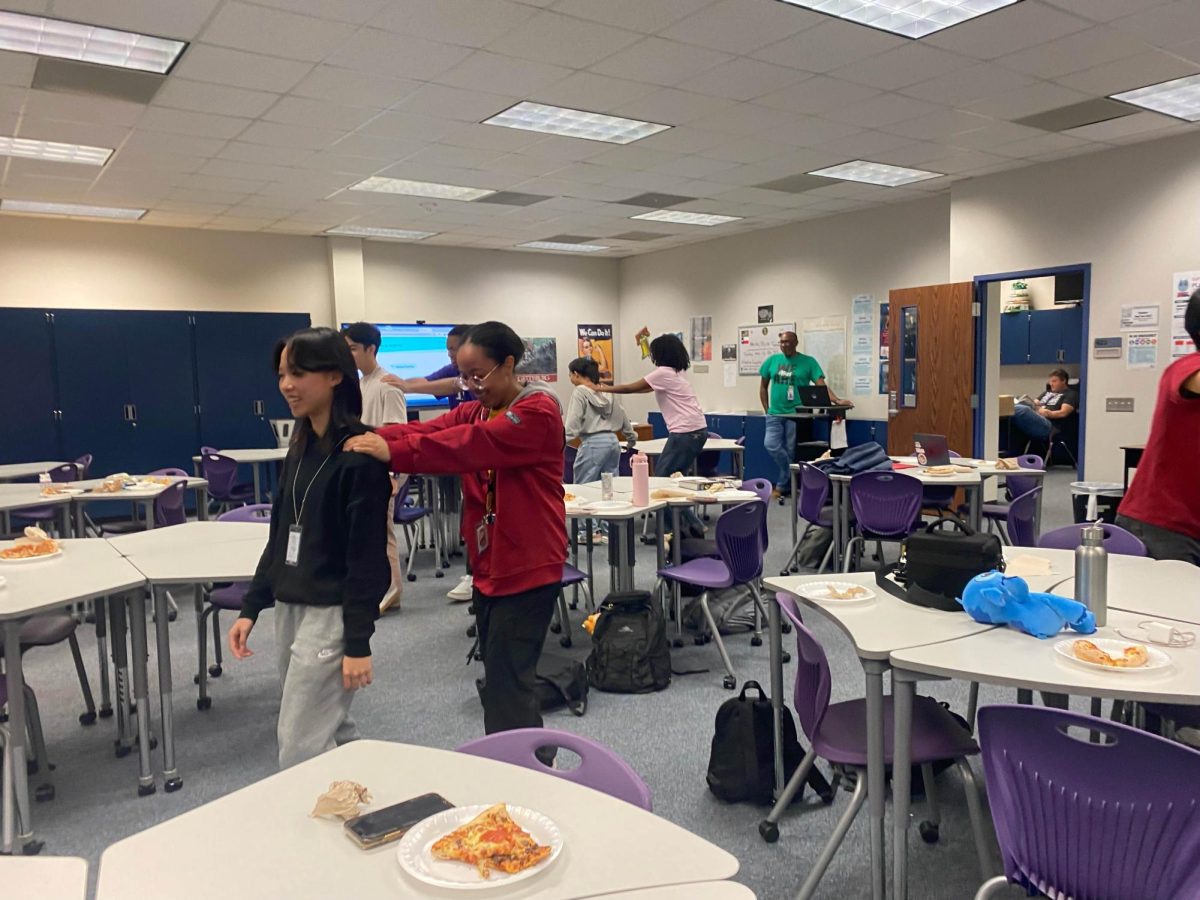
981,283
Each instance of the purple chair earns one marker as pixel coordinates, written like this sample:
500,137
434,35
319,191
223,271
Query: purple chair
85,465
599,768
226,597
1021,521
561,623
49,629
406,512
838,734
741,546
1014,486
1110,820
221,474
887,507
31,515
168,506
625,464
694,548
938,498
1116,539
814,489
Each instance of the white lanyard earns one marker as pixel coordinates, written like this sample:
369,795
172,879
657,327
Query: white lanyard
296,514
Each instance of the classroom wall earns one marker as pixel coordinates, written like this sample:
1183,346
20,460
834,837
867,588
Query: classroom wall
63,263
805,270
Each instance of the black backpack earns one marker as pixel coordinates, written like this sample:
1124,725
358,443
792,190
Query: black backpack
562,681
630,653
741,765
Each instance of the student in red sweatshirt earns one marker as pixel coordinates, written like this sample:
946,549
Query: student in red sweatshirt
507,445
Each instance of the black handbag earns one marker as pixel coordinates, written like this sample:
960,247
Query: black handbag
935,565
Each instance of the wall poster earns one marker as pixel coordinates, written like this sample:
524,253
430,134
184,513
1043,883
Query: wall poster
540,362
596,341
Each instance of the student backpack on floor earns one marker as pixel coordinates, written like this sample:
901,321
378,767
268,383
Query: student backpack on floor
630,653
561,681
741,765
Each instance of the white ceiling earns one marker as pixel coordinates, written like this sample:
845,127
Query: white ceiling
278,106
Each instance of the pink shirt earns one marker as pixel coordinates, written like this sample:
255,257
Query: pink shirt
677,400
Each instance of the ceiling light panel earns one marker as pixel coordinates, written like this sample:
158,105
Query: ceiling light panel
563,247
679,217
907,18
1179,98
88,43
576,123
388,234
70,209
52,151
875,173
420,188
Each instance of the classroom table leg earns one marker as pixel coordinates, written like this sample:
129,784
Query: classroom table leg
676,559
839,513
100,612
202,504
148,509
141,689
904,690
80,521
795,504
624,554
876,796
64,520
659,545
171,780
974,506
254,469
17,730
775,648
119,633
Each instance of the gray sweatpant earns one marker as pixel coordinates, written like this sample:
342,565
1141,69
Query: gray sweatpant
314,713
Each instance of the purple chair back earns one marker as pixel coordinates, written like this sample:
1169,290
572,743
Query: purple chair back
254,512
569,454
1116,539
814,492
205,451
885,503
625,464
600,768
740,540
64,473
1106,820
1016,485
171,473
168,505
760,486
85,465
220,472
404,513
59,475
813,679
1021,522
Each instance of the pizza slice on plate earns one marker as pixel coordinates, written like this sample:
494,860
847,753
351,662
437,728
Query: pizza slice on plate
492,840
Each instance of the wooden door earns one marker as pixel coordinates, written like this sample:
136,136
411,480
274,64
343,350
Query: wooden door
945,367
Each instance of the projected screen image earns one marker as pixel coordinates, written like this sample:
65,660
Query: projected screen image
414,351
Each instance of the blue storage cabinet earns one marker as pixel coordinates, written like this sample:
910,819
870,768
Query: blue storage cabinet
1014,339
1041,337
28,404
1072,334
658,424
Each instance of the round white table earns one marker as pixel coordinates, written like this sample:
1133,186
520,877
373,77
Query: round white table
43,877
656,446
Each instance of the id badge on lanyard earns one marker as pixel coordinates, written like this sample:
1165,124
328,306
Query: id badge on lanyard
489,515
293,546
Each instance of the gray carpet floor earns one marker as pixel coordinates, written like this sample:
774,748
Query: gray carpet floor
424,694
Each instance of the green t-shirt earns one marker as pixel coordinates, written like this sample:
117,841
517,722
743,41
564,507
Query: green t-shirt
785,376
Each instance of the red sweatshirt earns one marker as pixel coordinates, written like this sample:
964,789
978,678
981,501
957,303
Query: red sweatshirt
520,452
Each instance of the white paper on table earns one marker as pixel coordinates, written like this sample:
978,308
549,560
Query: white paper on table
731,374
1028,566
837,435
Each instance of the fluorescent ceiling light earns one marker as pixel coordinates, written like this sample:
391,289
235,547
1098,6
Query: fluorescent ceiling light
679,217
565,248
420,188
54,152
1179,98
89,43
907,18
576,123
70,209
392,234
875,173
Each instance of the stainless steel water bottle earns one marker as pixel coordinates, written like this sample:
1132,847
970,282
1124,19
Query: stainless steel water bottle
1091,572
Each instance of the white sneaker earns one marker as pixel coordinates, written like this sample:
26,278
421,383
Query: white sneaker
390,599
462,591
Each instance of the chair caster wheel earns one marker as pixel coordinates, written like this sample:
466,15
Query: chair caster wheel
439,574
929,832
43,792
203,703
677,642
445,565
729,682
826,797
556,628
121,752
172,615
412,577
769,831
698,640
215,671
106,712
87,718
786,627
471,631
564,641
33,848
171,785
145,790
793,570
783,572
756,641
785,657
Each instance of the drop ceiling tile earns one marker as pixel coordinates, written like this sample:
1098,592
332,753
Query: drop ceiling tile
957,160
466,23
260,30
994,134
726,26
633,157
231,168
1114,130
562,40
396,55
89,133
1025,101
1129,73
884,109
343,163
659,61
564,148
489,137
592,92
207,198
1020,25
180,19
743,79
969,85
176,121
407,126
1104,10
1163,25
462,105
1074,53
636,15
673,107
28,169
484,71
647,181
693,166
200,96
916,154
204,62
264,153
350,88
204,182
684,139
809,131
301,137
16,68
460,157
746,150
1029,147
150,143
828,46
1189,50
78,108
872,145
355,12
334,116
939,125
818,94
744,119
903,66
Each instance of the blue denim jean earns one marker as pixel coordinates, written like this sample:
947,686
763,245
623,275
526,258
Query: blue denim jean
598,453
679,454
1026,418
780,443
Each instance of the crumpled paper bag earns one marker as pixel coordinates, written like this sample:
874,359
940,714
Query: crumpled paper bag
342,800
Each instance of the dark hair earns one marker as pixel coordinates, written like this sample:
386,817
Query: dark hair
668,350
363,333
325,350
1191,318
1063,374
497,341
458,331
585,367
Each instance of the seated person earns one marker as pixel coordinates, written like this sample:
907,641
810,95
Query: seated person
1059,402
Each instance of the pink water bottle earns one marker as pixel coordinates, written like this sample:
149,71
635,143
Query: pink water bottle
641,479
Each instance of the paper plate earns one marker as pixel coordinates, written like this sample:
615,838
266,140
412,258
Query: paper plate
726,496
605,505
820,590
31,559
1156,658
66,492
417,861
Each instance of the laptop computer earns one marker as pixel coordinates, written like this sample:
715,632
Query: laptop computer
931,449
815,395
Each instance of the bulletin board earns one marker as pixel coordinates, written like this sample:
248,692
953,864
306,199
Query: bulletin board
757,342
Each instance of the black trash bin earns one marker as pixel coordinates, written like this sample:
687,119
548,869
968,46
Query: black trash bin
1106,508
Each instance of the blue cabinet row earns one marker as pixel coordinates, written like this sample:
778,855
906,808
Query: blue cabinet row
138,390
1041,336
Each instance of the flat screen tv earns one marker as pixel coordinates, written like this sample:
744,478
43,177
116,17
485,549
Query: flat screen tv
1068,288
414,351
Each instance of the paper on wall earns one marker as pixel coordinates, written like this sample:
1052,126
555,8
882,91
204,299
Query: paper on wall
1141,350
1134,317
1183,285
731,374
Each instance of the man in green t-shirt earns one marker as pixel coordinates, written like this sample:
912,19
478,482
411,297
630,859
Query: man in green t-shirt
781,374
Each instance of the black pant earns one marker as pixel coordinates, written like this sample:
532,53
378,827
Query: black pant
511,632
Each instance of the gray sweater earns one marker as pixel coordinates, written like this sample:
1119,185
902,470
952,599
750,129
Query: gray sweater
590,412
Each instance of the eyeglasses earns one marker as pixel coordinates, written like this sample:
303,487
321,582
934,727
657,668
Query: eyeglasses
475,382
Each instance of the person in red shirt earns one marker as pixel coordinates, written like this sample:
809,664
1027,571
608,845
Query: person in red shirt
1162,505
507,445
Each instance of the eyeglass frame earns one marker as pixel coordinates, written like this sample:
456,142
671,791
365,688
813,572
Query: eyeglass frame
476,382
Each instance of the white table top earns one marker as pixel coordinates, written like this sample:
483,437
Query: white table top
197,563
591,492
253,455
655,447
188,534
43,877
958,479
623,486
20,496
982,466
128,495
708,890
1005,656
609,845
88,568
11,471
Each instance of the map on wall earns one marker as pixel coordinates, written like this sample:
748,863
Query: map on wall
824,339
757,342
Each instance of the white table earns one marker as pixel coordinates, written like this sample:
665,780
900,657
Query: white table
708,890
139,497
180,536
43,877
16,471
610,845
253,457
656,446
87,569
621,537
24,496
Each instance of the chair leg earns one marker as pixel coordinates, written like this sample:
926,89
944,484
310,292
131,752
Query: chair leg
587,596
989,887
975,810
850,552
825,560
795,783
931,799
89,704
412,553
972,704
37,737
8,799
760,613
835,839
203,701
216,632
730,681
564,619
787,566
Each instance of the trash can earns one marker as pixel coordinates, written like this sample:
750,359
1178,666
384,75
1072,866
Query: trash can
1092,500
283,431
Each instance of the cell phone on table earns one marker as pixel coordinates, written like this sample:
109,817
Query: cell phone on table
374,829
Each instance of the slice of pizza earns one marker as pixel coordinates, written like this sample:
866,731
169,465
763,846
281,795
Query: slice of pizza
492,840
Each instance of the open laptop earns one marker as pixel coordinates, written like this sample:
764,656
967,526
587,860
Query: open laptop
815,395
931,449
